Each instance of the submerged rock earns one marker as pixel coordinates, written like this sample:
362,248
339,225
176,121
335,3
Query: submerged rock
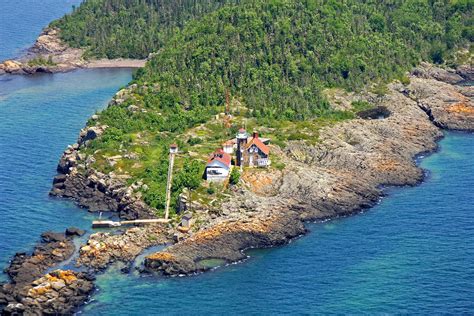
74,231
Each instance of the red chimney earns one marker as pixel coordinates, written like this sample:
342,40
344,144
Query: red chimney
255,134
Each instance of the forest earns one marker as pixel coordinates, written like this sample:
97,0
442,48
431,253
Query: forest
129,28
277,54
274,57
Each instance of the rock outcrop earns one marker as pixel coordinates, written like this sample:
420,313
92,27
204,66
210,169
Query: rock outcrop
446,105
32,292
102,248
50,54
78,180
428,71
57,293
341,175
227,241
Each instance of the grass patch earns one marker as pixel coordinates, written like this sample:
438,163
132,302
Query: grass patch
41,61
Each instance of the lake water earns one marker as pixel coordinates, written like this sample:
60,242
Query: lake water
411,254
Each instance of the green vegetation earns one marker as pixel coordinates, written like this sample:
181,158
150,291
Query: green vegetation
358,106
274,57
234,176
41,61
279,55
129,28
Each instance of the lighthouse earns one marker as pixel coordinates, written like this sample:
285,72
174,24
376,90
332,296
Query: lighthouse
242,137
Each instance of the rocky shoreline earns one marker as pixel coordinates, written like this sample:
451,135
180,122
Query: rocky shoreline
338,177
32,292
341,175
50,54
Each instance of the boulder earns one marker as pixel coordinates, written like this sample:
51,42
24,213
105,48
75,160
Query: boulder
12,66
53,237
428,71
90,133
74,231
466,71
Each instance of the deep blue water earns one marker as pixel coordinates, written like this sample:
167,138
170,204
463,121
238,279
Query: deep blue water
21,21
412,254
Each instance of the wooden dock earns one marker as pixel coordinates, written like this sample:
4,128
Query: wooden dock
137,222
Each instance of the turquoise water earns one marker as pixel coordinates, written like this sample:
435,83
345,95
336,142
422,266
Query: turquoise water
412,254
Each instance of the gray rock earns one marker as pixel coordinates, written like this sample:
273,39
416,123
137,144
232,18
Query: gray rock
53,237
74,231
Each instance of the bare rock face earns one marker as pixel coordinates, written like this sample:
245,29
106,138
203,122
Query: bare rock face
446,105
228,241
466,71
428,71
339,176
48,42
102,249
31,292
90,133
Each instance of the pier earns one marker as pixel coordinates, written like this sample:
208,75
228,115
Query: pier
137,222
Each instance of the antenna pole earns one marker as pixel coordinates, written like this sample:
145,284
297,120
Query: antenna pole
169,181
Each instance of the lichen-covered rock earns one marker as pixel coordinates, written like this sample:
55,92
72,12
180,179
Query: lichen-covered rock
104,248
57,293
31,292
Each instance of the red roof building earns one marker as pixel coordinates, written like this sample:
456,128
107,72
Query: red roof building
221,156
218,166
258,143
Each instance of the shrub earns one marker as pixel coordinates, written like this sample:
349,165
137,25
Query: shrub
234,176
211,190
194,141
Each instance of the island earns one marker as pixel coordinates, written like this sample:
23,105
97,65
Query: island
249,119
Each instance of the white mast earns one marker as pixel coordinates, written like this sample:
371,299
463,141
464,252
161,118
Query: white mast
173,151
